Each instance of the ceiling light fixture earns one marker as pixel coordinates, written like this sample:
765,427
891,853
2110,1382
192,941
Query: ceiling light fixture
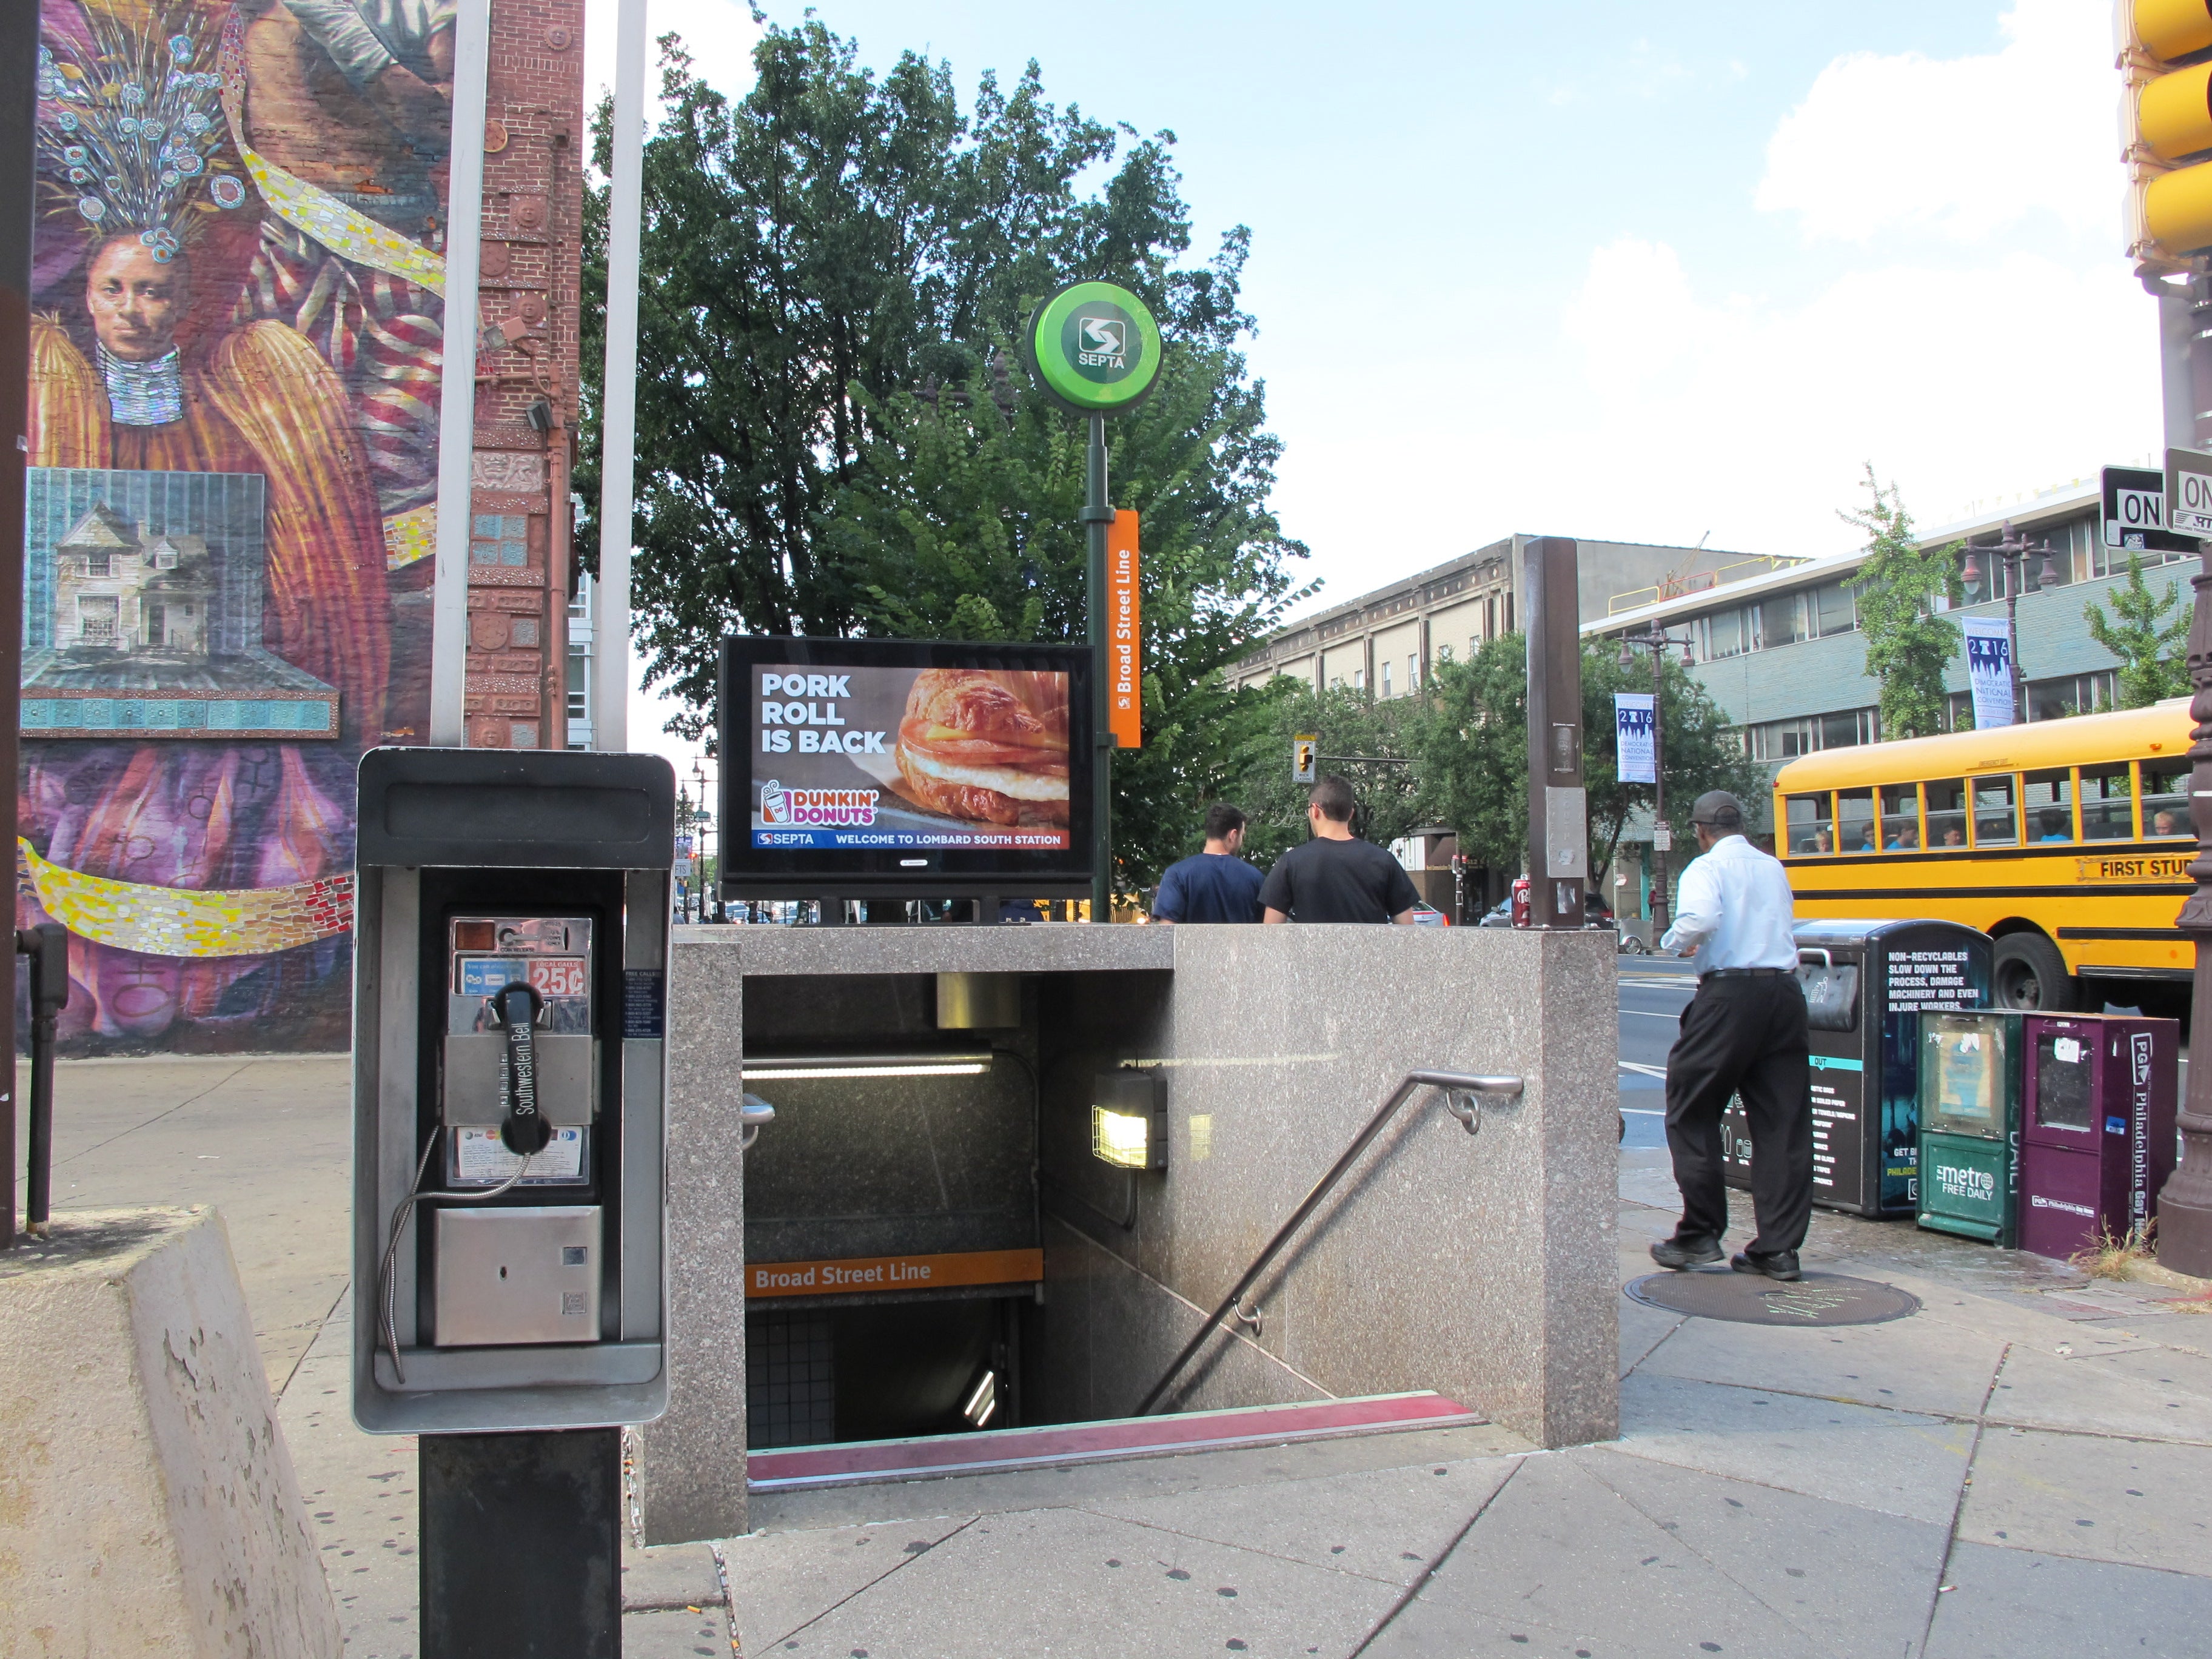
802,1068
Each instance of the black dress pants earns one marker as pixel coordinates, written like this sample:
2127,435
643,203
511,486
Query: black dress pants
1743,1036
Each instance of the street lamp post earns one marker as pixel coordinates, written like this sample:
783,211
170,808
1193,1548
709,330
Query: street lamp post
2012,552
1658,641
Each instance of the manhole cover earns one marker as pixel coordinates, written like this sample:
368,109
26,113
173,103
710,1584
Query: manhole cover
1751,1299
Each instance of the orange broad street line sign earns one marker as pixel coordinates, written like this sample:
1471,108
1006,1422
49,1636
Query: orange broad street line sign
1125,667
893,1273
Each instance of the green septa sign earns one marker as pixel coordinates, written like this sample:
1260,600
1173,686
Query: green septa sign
1094,347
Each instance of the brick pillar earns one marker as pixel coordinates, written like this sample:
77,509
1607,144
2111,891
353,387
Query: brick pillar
526,378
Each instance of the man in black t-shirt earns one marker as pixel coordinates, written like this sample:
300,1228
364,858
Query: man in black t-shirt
1336,877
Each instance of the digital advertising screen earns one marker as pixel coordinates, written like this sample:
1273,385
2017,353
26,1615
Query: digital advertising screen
878,765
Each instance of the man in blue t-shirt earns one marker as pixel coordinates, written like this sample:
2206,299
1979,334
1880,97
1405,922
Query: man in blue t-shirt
1215,885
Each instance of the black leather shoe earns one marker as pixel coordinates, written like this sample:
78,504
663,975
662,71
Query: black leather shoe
1782,1264
1681,1254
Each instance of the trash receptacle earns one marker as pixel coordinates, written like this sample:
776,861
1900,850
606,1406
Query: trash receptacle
1970,1100
1866,985
2097,1130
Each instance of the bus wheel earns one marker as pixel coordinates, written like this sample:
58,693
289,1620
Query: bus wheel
2029,973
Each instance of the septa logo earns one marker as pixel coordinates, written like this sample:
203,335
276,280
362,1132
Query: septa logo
1103,344
776,802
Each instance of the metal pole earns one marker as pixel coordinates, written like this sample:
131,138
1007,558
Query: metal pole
1558,825
47,946
2013,573
2184,1208
1097,516
457,411
19,55
618,388
1658,790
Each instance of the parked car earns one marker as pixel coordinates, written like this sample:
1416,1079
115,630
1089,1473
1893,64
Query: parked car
1596,913
1427,915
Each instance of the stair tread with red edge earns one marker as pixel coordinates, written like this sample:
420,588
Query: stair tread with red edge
787,1468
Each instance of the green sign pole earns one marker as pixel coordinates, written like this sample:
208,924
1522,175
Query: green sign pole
1094,348
1097,516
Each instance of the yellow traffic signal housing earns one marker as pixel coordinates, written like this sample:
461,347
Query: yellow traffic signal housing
2165,49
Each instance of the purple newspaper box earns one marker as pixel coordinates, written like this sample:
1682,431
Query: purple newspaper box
2097,1130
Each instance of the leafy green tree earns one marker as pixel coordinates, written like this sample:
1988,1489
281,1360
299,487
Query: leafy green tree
1474,746
810,252
1348,722
2148,646
961,522
1909,643
1700,750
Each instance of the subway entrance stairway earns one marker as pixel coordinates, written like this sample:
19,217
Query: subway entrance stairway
1013,1173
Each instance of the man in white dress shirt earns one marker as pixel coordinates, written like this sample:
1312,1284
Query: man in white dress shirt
1742,1034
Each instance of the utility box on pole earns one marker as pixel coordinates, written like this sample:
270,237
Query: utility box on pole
1558,818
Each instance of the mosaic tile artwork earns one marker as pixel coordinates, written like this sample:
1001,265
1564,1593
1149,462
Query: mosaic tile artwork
170,922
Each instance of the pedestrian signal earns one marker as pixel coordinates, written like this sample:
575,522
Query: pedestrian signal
1305,760
2165,55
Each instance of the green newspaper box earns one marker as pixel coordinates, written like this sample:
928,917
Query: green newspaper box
1970,1095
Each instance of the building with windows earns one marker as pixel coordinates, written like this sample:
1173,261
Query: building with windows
577,689
1387,640
1782,657
1774,639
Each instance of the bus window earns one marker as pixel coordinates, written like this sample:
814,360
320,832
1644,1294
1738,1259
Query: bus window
1996,823
1946,812
1811,829
1900,817
2048,799
2166,799
1855,821
2108,812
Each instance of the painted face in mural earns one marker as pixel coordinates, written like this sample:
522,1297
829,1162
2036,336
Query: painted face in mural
135,300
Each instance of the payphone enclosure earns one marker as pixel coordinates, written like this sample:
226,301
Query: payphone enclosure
511,956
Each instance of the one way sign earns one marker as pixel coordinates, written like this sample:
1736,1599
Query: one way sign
2189,492
2135,512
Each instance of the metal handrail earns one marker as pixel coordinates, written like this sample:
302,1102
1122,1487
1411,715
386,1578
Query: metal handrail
1459,1090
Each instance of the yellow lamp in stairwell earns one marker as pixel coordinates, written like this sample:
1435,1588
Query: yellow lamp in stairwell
1129,1120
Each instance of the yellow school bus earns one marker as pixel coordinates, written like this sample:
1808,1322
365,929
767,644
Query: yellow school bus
2068,840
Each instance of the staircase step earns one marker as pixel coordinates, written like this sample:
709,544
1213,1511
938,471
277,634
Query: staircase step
861,1462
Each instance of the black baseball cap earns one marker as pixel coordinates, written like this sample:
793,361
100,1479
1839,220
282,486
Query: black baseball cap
1718,809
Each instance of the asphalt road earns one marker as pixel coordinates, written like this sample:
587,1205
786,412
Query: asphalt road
1653,991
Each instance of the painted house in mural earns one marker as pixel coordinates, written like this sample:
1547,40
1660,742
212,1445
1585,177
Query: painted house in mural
239,283
122,590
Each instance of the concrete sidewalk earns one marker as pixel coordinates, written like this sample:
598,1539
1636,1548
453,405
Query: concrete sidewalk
2024,1467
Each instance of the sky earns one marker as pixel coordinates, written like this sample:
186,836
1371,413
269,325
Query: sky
1614,271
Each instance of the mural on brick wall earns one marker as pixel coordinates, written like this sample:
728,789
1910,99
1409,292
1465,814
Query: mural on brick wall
234,418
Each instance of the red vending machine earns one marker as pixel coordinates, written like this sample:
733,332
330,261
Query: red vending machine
2097,1132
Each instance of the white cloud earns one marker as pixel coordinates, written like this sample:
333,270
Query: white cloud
1958,384
1963,146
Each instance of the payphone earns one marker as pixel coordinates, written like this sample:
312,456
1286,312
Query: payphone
511,953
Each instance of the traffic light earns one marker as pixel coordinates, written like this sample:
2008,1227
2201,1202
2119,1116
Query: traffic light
2165,53
1305,762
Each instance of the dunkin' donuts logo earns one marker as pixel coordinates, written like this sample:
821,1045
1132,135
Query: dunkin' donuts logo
780,805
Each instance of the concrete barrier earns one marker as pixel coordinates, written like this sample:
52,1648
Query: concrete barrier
148,1505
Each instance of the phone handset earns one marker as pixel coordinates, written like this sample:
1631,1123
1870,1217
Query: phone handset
523,1129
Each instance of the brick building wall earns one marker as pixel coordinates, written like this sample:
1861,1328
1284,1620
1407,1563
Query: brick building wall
526,362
